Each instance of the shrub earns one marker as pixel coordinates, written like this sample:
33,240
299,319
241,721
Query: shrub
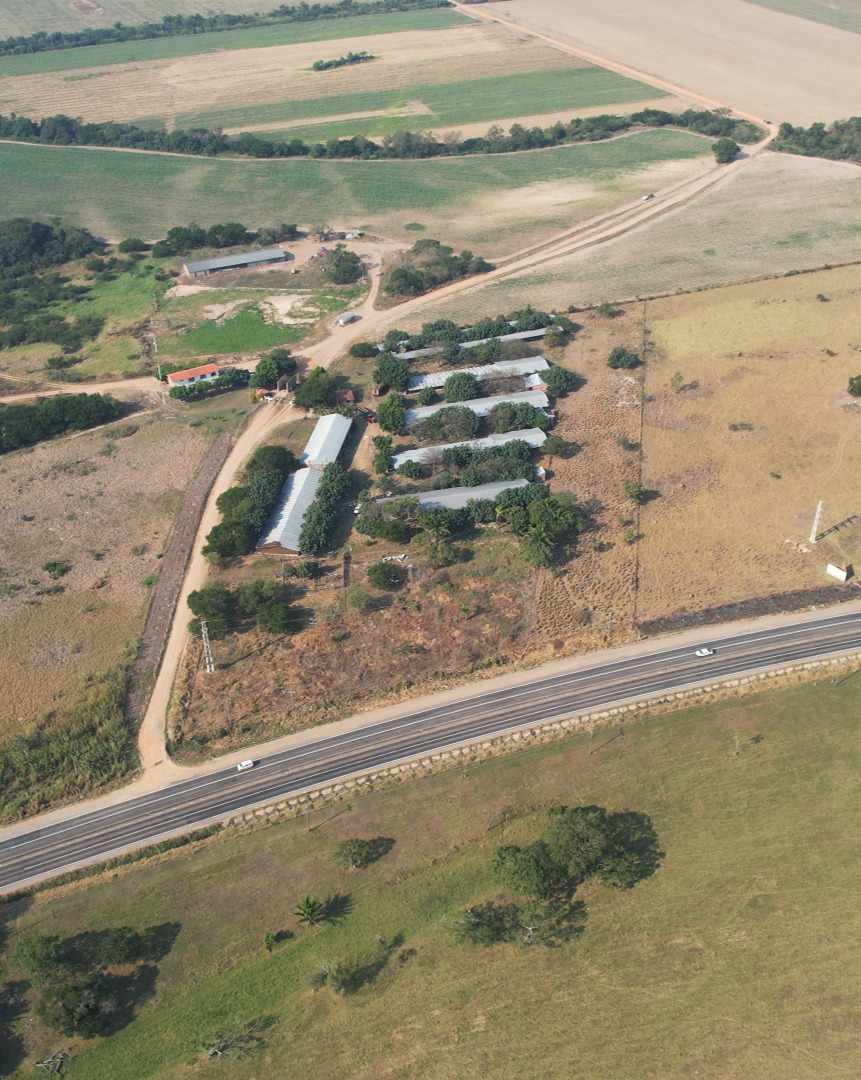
382,462
855,386
364,350
454,424
392,414
462,386
559,381
132,243
358,598
427,396
620,357
725,150
387,575
343,267
413,470
392,372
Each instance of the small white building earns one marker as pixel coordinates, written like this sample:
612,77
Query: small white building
327,440
191,376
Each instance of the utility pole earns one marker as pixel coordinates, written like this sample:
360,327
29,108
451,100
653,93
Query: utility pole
817,521
208,662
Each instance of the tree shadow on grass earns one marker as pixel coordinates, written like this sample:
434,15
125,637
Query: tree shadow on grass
349,976
337,907
13,1004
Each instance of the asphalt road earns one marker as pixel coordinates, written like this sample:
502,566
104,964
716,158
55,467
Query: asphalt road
190,804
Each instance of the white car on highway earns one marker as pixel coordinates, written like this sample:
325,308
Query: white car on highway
704,652
247,764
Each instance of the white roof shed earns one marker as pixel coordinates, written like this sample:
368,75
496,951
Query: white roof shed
502,369
327,440
458,497
480,406
298,493
535,437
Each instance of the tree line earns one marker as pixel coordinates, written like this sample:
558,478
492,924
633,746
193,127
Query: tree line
26,425
840,141
181,25
62,130
343,61
246,508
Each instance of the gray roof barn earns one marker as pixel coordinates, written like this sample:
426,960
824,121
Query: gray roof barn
240,258
298,493
502,369
457,498
480,406
327,440
520,335
535,437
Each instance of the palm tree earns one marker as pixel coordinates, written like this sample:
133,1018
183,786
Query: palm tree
310,911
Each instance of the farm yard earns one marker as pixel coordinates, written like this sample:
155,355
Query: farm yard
518,198
441,76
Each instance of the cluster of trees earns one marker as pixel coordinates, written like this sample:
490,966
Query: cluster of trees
229,378
26,425
265,604
318,390
245,509
840,141
271,367
185,238
343,267
725,151
321,518
177,25
581,843
465,466
443,332
546,524
66,130
69,334
462,386
27,245
343,61
429,264
79,993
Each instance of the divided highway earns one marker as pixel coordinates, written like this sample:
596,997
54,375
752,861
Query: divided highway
79,839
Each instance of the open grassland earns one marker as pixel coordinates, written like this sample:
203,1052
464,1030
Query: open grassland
171,48
737,959
103,503
119,193
748,57
30,16
468,72
780,214
843,14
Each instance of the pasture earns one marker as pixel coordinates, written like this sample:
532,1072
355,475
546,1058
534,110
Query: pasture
121,193
747,56
734,960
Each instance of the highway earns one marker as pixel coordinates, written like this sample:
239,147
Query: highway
87,837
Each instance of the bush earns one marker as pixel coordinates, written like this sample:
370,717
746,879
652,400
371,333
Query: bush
131,244
454,424
514,416
392,372
559,381
427,396
356,854
364,350
855,386
725,151
387,575
358,598
392,414
413,470
382,462
343,267
462,386
620,357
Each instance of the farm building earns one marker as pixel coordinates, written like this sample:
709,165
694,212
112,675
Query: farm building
327,440
298,493
535,437
190,376
238,261
480,406
502,369
456,498
520,335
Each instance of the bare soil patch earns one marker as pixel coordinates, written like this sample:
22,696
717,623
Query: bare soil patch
104,506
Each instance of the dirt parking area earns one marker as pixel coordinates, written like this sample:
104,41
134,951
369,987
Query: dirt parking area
85,522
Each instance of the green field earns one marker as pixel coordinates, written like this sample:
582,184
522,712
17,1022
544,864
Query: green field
241,333
170,48
471,101
122,193
843,15
738,959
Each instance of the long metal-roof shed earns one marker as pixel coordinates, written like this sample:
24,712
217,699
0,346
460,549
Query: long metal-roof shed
480,406
298,493
520,335
457,498
239,258
327,439
535,438
502,369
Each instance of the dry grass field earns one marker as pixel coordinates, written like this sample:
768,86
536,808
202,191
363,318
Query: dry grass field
845,14
265,88
746,56
102,503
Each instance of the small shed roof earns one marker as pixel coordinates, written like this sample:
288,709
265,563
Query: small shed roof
285,525
533,436
192,373
457,498
327,439
502,369
240,258
480,406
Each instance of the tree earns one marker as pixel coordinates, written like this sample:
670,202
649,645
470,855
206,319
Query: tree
310,911
725,150
387,575
488,923
356,854
392,372
343,267
132,244
559,381
427,396
384,447
531,870
855,386
635,492
620,357
216,604
317,391
277,617
392,414
270,369
462,386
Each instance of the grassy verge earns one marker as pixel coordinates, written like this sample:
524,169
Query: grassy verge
170,48
144,194
735,960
